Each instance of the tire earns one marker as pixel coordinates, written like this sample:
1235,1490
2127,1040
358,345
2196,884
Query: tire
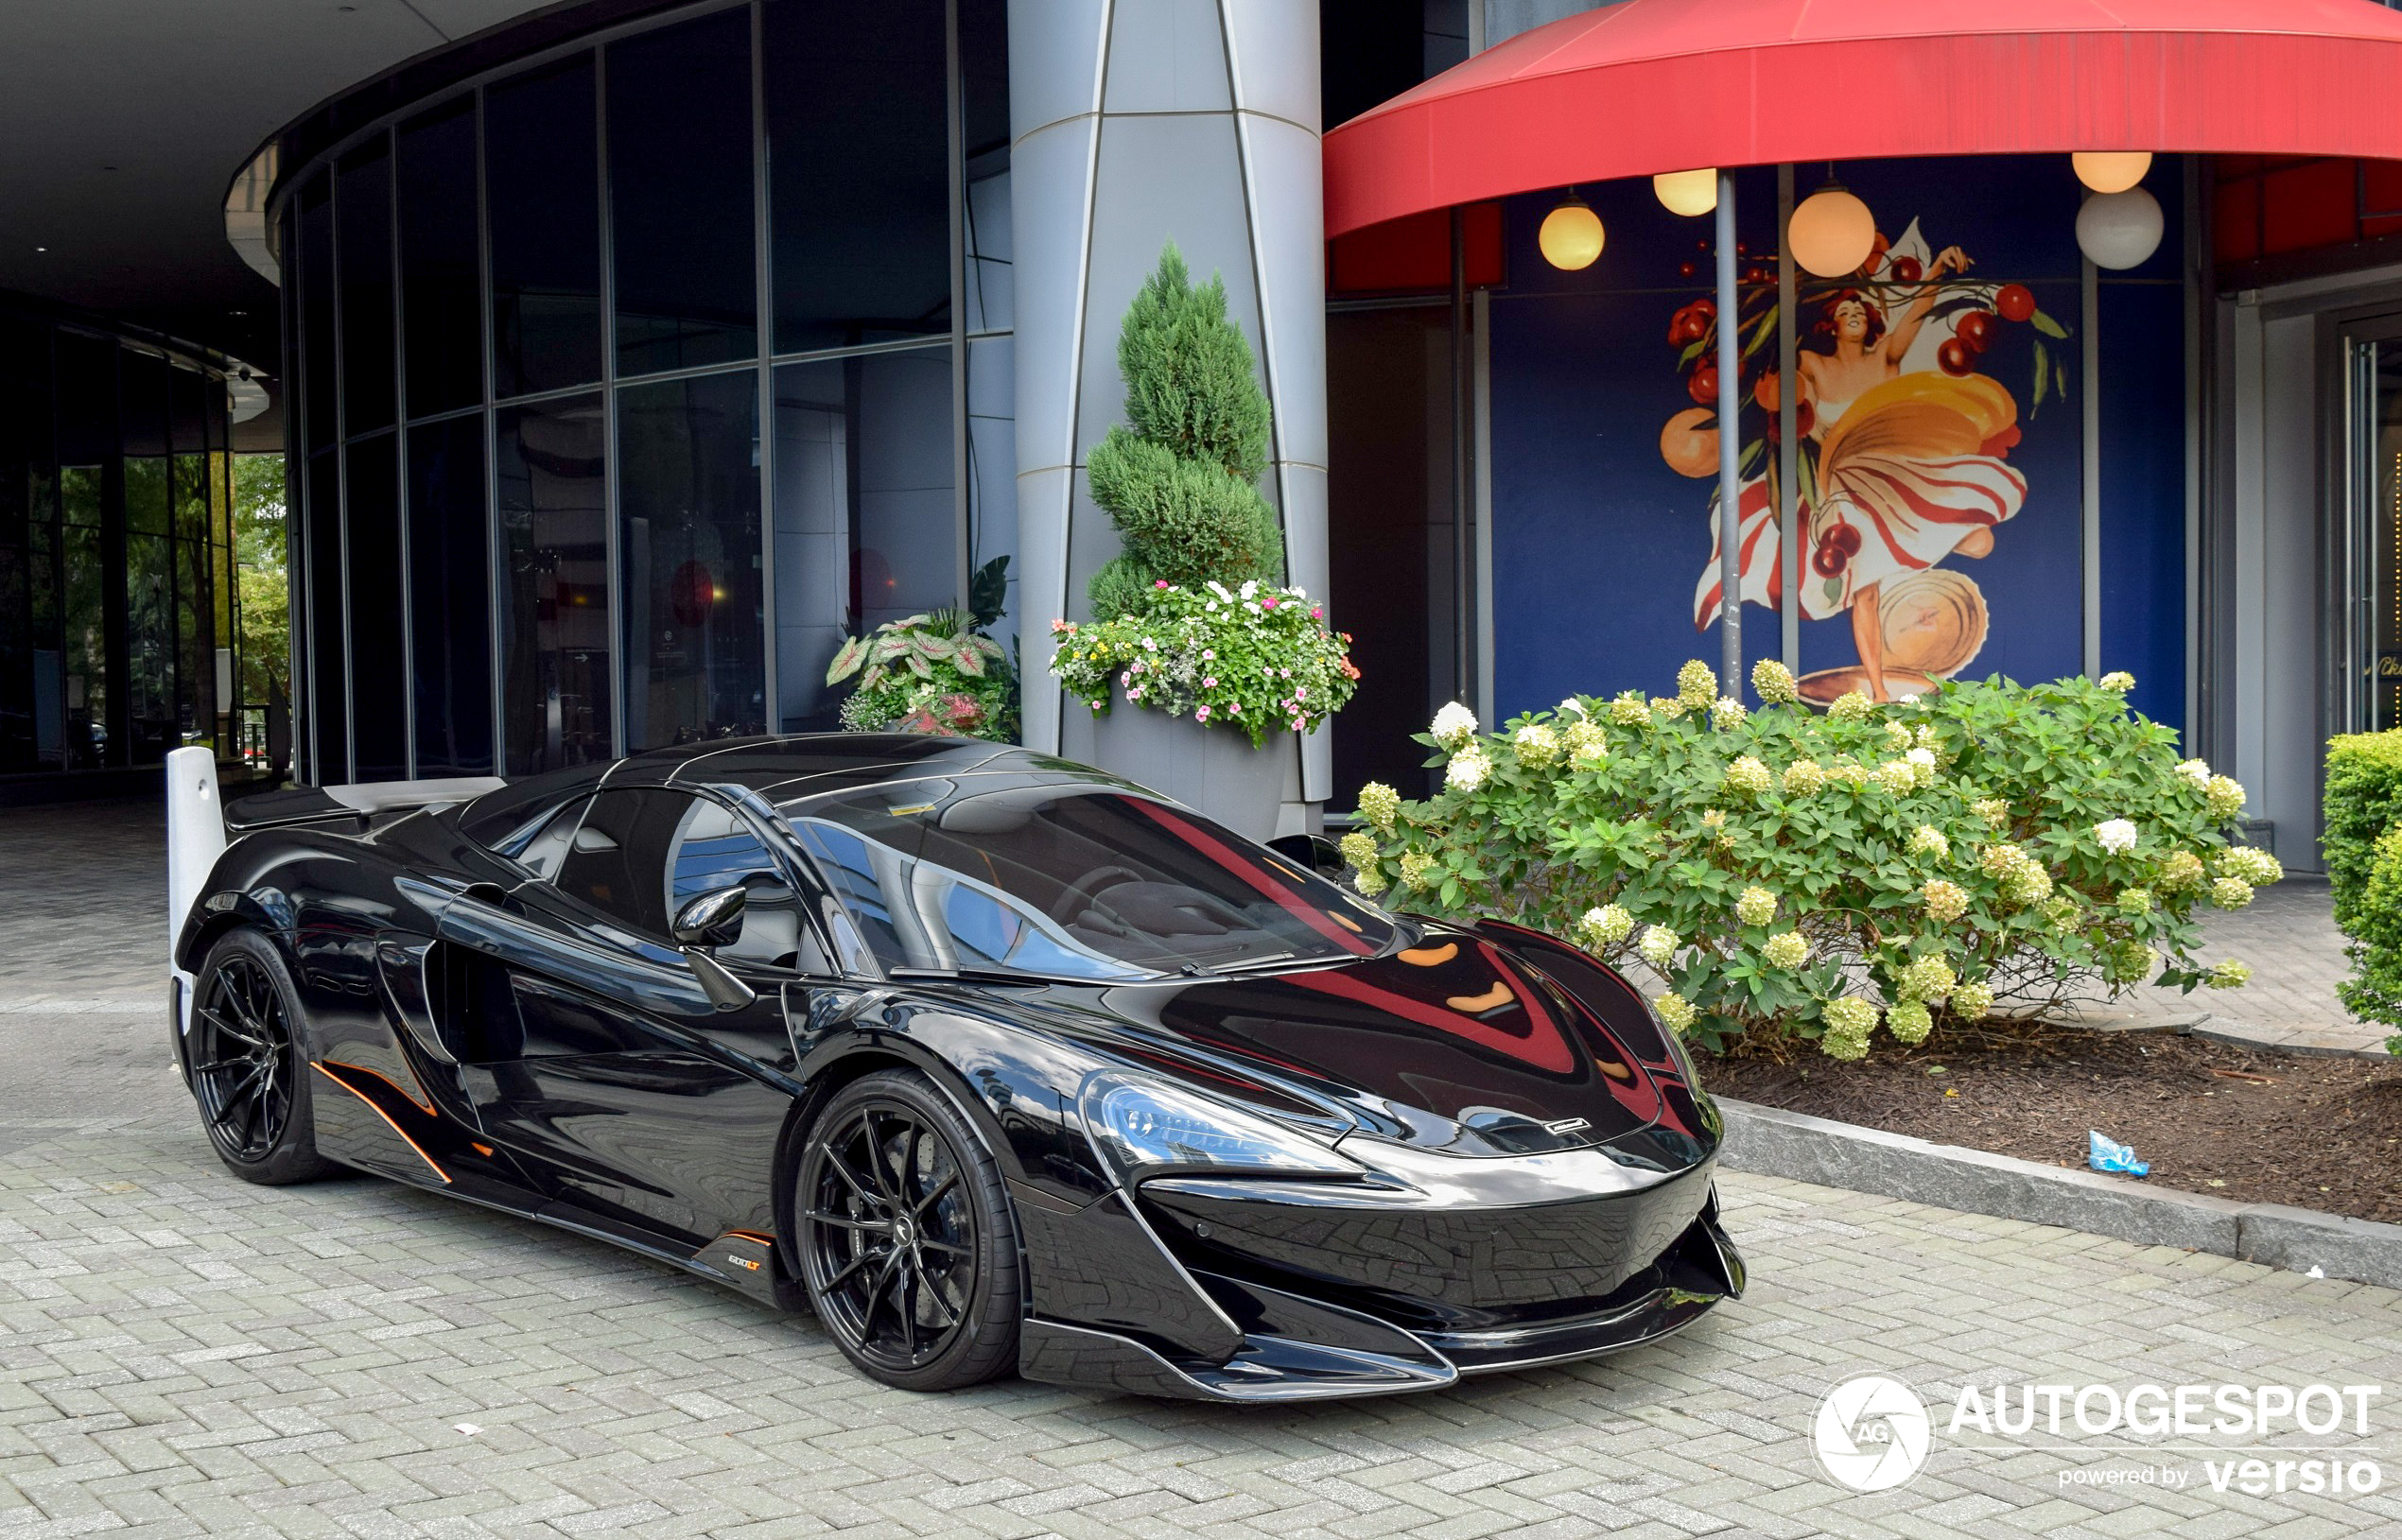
247,1063
939,1309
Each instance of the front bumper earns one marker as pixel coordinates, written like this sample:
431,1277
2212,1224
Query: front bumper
1228,1291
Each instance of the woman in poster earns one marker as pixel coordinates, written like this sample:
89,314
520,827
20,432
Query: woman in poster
1909,466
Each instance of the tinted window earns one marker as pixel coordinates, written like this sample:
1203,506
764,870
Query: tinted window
363,240
1069,880
688,495
442,330
319,387
541,175
450,570
371,523
858,171
329,722
554,599
617,862
686,266
713,847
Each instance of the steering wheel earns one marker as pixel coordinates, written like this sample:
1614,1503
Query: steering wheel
1080,892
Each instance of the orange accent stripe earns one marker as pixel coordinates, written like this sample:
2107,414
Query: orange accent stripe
426,1107
753,1235
385,1116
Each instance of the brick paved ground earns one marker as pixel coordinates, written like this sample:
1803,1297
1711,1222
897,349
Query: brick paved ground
183,1353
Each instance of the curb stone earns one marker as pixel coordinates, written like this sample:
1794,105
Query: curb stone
1777,1143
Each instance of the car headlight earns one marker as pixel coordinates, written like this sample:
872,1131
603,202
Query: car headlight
1142,1125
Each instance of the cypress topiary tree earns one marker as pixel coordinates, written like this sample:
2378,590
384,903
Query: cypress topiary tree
1179,477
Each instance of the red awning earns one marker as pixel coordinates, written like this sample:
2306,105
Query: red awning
1665,85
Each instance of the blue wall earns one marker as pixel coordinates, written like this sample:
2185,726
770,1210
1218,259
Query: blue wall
1598,543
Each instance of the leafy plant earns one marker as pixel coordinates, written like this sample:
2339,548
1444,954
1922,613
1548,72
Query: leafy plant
1785,874
1179,477
915,672
1254,658
1192,617
2363,799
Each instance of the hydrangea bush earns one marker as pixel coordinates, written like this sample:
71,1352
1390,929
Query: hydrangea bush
1786,875
1256,659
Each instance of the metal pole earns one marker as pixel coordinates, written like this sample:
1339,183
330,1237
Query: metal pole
1788,421
1462,685
1730,447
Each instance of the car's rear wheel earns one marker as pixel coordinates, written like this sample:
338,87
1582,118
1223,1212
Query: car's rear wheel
908,1248
248,1065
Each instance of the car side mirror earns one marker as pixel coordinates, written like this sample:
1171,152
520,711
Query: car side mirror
713,918
1313,853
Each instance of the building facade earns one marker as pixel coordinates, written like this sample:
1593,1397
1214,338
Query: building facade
634,355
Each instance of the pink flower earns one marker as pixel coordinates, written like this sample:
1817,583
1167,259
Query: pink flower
1234,708
1300,692
1125,679
1158,583
1317,612
1284,673
1298,724
1202,715
1267,604
1209,654
1210,684
1058,626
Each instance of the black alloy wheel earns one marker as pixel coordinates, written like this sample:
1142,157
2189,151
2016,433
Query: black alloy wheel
247,1065
906,1239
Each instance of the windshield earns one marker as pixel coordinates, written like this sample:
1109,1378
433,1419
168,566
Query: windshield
1069,880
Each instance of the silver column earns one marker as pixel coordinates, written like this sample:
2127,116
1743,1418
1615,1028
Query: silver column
1134,123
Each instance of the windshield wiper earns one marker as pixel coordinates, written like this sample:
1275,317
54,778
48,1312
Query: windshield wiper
1253,964
988,975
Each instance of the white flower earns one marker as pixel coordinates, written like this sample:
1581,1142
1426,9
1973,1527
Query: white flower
1929,841
1467,771
1453,726
1755,906
1536,744
1571,706
1726,714
1605,926
2115,834
1786,949
1250,587
1659,946
2117,682
2196,771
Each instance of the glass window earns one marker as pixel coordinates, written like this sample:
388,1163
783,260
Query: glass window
440,309
16,653
378,647
616,864
86,661
713,847
858,171
866,521
542,192
554,601
364,251
149,649
688,493
329,725
680,195
1067,880
187,389
142,387
992,476
319,387
450,586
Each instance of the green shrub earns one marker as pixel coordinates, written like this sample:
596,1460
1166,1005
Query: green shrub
1179,479
2363,801
1790,874
930,673
2374,992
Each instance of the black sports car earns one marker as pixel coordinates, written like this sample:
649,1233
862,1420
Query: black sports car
994,1061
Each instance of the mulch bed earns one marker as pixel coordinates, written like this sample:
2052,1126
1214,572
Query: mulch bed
2249,1124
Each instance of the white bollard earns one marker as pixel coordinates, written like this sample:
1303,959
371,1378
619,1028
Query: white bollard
194,838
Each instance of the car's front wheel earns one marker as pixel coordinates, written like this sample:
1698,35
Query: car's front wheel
908,1248
249,1066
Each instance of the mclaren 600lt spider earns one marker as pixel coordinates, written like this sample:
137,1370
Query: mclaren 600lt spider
993,1062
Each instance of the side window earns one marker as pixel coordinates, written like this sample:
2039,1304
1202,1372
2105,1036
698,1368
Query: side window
616,862
712,848
849,872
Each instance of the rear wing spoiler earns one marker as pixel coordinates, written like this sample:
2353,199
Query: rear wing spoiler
199,826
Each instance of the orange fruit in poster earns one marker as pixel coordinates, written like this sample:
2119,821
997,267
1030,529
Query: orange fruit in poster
1690,444
2015,302
1768,391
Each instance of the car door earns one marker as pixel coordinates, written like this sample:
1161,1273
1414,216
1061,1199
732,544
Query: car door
648,1106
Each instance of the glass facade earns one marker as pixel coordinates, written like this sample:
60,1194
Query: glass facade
632,376
116,603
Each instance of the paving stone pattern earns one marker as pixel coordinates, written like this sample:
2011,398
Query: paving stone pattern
183,1353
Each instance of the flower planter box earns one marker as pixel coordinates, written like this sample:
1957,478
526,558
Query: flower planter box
1212,769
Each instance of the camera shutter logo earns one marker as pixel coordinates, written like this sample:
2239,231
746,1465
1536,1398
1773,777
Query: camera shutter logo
1871,1433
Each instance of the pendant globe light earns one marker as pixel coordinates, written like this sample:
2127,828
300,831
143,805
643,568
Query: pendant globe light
1832,233
1572,235
2111,171
2119,231
1688,193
